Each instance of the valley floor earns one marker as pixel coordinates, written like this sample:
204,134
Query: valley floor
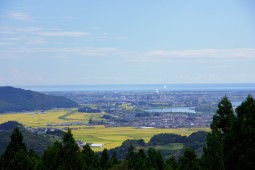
110,137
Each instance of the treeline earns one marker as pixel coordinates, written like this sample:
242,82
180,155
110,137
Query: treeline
230,146
166,138
88,110
195,141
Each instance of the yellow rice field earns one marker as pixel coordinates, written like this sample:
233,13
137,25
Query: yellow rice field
110,137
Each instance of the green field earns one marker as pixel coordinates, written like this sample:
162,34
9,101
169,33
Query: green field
171,146
110,137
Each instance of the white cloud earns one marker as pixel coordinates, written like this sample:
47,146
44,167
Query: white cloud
237,53
41,32
28,29
22,40
62,33
146,56
58,53
35,41
85,51
19,16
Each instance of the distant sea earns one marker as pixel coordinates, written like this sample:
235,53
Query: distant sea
142,87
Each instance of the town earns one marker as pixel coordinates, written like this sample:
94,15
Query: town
152,109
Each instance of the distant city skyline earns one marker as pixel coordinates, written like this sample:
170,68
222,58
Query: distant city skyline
126,42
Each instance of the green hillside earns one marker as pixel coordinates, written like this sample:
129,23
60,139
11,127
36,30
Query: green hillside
16,100
32,140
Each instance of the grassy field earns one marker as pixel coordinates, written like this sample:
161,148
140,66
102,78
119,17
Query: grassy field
38,119
110,137
171,146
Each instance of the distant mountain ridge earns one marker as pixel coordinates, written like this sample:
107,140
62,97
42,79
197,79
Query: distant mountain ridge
16,100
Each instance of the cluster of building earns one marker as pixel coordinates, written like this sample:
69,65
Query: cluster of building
165,121
110,102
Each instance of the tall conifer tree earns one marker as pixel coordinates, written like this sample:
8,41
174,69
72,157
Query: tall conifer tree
213,157
15,155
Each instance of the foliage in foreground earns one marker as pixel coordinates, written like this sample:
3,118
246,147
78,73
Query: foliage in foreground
230,146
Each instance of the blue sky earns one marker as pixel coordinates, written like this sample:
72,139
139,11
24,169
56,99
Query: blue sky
126,42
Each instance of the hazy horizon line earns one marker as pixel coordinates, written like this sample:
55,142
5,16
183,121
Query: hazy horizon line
128,84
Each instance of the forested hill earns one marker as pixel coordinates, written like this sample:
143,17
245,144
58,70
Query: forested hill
15,100
34,141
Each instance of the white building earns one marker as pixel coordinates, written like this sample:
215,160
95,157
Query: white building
98,145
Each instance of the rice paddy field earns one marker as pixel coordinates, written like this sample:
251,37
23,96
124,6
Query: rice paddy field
110,137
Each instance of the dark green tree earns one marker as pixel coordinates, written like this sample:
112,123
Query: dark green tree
213,158
114,159
159,161
15,155
52,157
221,125
34,159
104,162
140,161
123,165
155,159
152,158
90,161
188,161
62,156
70,152
20,161
130,157
223,119
239,144
171,163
